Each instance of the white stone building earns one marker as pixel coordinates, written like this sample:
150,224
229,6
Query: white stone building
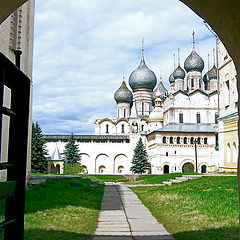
16,36
228,114
177,126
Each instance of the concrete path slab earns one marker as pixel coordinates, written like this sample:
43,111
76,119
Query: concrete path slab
124,217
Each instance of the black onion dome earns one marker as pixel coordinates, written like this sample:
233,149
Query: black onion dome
206,77
171,78
179,73
123,94
212,73
142,77
194,62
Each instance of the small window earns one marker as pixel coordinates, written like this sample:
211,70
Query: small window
124,113
180,117
122,128
164,139
171,140
198,140
192,140
198,118
205,140
192,83
185,140
216,118
142,108
178,140
175,152
142,127
166,154
107,128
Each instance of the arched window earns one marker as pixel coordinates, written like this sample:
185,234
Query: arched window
107,128
123,127
124,113
178,140
192,140
205,140
229,153
180,117
198,140
142,127
198,118
166,154
171,140
142,108
235,153
164,140
185,140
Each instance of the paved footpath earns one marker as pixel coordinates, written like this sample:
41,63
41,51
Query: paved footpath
124,217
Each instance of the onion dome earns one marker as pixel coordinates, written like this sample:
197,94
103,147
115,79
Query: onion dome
179,73
212,73
171,78
194,62
160,89
206,77
142,77
123,94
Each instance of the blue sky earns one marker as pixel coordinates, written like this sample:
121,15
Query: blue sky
82,48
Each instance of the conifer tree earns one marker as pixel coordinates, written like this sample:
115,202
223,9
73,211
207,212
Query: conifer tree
140,159
71,152
39,152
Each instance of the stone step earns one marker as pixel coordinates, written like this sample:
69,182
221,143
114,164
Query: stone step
182,178
175,181
192,176
166,183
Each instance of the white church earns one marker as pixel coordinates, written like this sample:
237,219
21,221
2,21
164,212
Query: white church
178,126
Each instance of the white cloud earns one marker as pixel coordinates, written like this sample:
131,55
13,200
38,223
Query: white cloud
82,48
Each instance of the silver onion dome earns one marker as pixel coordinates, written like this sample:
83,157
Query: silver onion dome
171,78
212,73
179,73
142,77
123,94
194,62
206,77
160,89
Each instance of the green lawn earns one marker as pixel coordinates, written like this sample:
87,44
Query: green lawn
154,179
200,209
62,208
106,178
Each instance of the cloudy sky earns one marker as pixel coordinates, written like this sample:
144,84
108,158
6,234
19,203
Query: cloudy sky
83,48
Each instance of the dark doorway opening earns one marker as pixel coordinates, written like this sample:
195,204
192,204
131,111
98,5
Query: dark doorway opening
165,169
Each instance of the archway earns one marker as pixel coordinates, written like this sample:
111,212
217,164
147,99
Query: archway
58,169
101,169
188,168
203,169
120,169
165,169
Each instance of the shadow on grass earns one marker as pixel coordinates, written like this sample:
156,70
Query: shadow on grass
208,234
63,192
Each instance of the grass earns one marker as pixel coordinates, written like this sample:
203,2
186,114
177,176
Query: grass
200,209
62,208
106,178
154,179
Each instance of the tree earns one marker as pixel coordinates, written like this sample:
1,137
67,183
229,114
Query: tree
71,152
39,152
140,159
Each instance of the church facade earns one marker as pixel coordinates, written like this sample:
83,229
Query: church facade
178,126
